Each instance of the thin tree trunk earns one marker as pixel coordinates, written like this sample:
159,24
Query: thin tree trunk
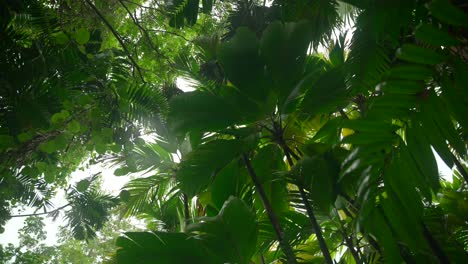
310,211
440,254
285,246
186,209
316,226
350,245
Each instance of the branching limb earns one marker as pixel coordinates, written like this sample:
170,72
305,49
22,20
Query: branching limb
44,213
119,39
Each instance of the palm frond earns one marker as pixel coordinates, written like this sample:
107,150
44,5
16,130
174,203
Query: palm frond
146,194
89,212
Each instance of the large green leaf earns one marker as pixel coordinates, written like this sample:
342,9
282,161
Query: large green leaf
406,225
420,150
434,36
435,107
410,71
376,225
436,138
201,111
230,181
454,93
160,247
200,166
448,13
243,65
330,132
231,235
327,94
284,47
413,53
82,36
268,163
319,175
403,204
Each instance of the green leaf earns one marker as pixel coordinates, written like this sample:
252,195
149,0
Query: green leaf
421,152
229,182
122,171
319,175
325,95
167,248
330,132
446,12
409,166
23,137
200,166
401,181
363,125
207,6
268,163
59,117
284,47
49,177
438,110
436,138
377,226
201,111
369,138
41,166
74,127
231,235
402,87
435,37
6,141
82,36
48,147
61,38
406,226
60,142
124,195
82,185
243,64
411,72
413,53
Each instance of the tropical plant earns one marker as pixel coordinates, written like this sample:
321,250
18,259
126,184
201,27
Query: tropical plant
335,144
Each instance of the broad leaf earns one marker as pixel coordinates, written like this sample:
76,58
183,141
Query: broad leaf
243,64
201,111
268,164
319,175
284,47
199,167
165,248
325,95
231,235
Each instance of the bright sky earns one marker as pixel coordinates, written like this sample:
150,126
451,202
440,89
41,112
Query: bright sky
110,184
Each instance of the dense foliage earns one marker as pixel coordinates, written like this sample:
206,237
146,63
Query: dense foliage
310,135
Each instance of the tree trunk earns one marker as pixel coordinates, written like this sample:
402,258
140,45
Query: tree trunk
310,211
285,246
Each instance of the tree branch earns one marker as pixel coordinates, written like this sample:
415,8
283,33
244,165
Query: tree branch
44,213
310,212
119,39
285,246
172,33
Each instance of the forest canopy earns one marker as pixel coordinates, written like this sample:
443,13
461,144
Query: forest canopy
249,131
